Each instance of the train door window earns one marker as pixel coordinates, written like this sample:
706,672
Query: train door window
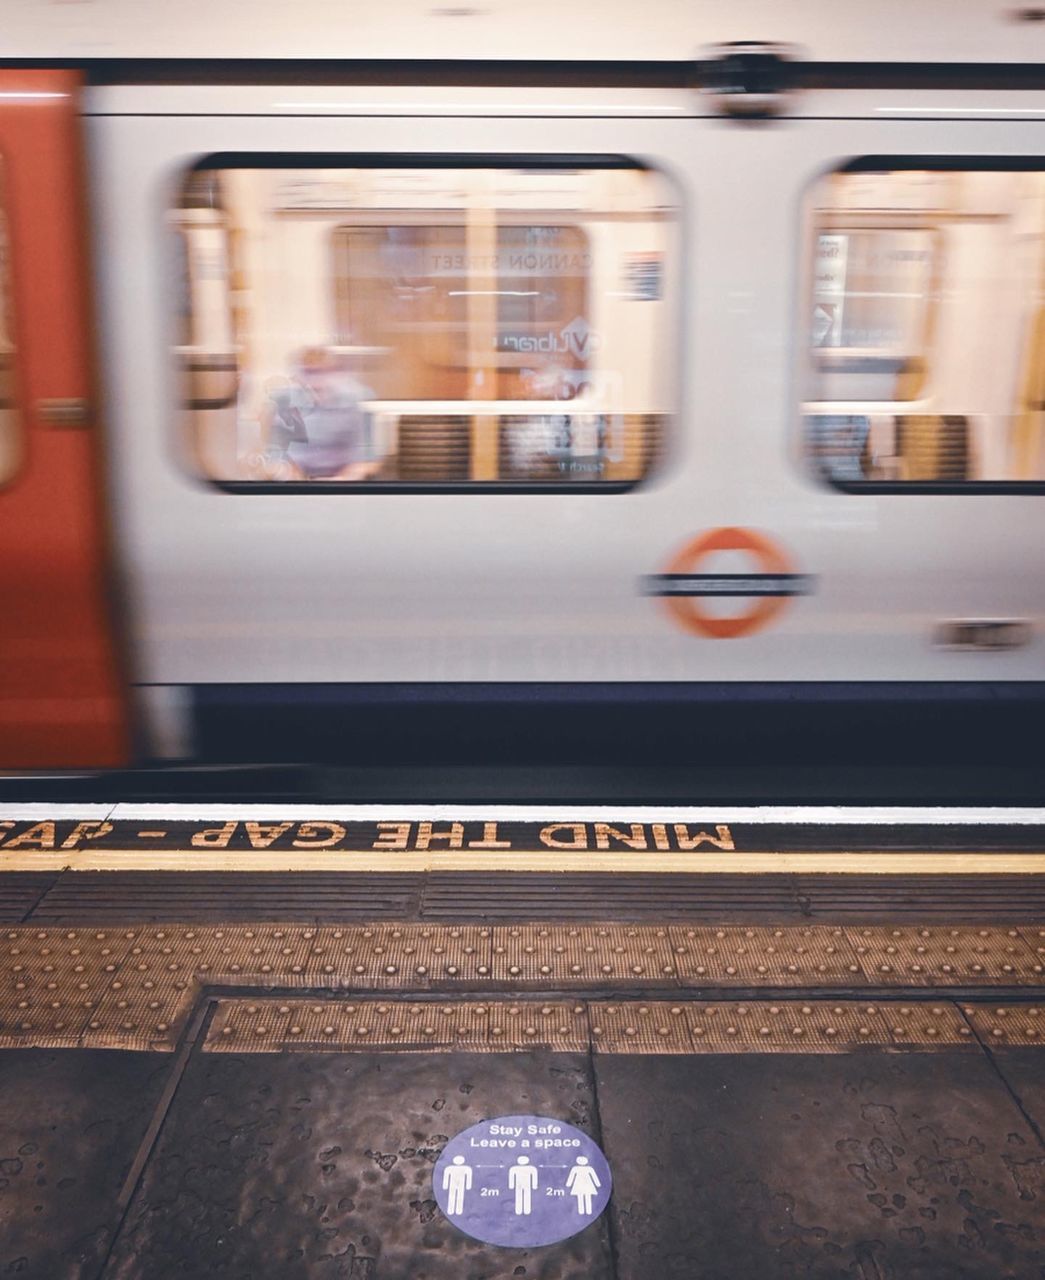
430,325
10,434
924,325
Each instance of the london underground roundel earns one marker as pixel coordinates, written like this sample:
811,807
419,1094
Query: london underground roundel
769,585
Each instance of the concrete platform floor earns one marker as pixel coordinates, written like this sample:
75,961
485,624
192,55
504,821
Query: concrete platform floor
873,1165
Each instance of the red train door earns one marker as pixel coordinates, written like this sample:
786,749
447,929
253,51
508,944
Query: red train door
62,701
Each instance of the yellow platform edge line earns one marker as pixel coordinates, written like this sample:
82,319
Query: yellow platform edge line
703,863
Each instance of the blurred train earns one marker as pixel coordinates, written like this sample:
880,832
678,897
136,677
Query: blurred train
514,362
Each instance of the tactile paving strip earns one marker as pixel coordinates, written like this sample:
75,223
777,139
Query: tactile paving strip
242,1025
269,1026
785,1026
133,987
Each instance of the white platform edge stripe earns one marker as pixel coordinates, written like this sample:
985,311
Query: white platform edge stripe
817,815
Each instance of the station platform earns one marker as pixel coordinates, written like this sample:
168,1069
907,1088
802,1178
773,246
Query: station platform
249,1040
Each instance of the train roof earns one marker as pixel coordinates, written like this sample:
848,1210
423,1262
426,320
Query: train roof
975,32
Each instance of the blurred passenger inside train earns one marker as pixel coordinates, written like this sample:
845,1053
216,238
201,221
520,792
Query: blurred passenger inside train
318,427
840,446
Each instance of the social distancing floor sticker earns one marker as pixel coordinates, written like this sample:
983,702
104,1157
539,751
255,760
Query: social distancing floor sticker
522,1181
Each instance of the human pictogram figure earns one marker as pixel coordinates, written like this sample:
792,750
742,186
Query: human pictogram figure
457,1179
522,1179
583,1182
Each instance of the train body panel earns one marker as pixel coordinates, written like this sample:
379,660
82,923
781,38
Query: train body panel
988,31
490,586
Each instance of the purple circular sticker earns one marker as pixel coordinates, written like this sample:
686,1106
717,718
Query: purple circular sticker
521,1181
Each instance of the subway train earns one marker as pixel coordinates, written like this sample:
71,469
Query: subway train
603,377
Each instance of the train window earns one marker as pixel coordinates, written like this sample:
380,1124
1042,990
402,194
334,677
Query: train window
925,325
10,434
472,323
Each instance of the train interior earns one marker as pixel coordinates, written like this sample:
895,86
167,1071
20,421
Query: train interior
925,353
425,290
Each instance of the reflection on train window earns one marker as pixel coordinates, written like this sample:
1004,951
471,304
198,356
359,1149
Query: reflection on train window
422,291
871,291
425,325
925,338
202,291
10,433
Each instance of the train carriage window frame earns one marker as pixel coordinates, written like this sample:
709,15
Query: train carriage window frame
827,427
620,434
12,430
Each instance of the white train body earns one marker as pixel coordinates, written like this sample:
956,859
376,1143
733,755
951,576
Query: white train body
899,577
522,587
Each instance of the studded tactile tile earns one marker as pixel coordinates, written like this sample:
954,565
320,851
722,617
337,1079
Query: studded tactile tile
132,1017
375,1024
621,955
264,955
790,1026
418,1026
1035,940
139,975
397,956
798,1026
298,1024
456,1026
1011,1024
319,1024
36,1003
44,954
44,1024
168,953
727,1028
561,1026
943,956
829,1026
330,958
811,956
370,1024
250,1026
54,981
923,1024
649,1026
428,955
